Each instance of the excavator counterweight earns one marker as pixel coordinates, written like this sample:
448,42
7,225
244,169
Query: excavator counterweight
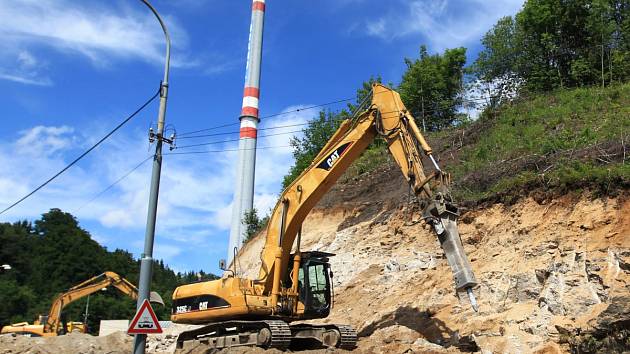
295,286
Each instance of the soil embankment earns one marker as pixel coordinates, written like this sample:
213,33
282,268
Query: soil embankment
552,272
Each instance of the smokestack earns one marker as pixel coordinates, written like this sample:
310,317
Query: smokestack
244,191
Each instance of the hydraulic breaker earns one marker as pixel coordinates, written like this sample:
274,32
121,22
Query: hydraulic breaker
442,215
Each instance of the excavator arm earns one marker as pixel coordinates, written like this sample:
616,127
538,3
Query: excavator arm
386,117
90,286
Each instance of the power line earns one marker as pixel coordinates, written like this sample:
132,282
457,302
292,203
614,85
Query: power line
237,132
307,108
233,140
183,135
225,150
208,129
83,154
189,136
115,183
288,126
141,163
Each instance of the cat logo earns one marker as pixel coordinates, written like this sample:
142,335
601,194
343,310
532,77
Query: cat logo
328,163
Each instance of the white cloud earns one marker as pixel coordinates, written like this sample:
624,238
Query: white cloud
442,23
23,67
223,217
195,193
42,140
16,77
26,59
166,251
100,32
117,218
377,28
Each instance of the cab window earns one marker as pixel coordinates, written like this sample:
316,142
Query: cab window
317,285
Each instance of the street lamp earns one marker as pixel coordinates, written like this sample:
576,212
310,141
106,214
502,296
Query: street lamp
146,261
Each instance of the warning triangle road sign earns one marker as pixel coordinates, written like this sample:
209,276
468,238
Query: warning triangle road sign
145,321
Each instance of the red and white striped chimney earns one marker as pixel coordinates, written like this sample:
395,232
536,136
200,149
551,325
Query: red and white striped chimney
244,191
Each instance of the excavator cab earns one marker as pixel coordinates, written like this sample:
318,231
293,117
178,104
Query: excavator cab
314,283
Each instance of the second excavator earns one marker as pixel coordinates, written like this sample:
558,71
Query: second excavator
51,325
296,285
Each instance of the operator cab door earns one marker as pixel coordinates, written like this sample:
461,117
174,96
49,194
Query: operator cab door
314,287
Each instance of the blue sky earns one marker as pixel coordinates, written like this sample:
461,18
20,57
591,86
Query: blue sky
71,70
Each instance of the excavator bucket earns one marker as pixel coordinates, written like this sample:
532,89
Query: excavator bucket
156,298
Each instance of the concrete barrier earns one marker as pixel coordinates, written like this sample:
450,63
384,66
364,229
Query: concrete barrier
111,326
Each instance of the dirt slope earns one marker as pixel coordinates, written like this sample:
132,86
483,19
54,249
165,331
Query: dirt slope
548,270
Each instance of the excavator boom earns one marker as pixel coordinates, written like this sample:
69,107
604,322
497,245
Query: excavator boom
284,289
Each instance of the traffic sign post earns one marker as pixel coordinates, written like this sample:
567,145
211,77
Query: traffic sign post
145,321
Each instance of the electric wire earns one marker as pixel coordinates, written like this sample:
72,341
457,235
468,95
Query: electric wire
237,132
233,140
115,183
208,129
433,110
428,111
225,150
141,163
82,155
268,116
309,107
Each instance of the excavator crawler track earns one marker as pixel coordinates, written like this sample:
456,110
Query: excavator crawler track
267,334
280,334
348,337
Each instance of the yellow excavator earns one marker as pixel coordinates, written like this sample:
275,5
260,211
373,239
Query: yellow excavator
51,325
295,286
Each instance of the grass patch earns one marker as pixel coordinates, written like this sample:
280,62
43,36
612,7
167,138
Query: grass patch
561,139
376,155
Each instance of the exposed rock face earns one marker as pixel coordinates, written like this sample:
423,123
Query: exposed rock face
547,271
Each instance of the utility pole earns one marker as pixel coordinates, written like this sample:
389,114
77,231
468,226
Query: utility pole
146,262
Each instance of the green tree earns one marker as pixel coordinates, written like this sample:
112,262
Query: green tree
556,44
495,72
321,129
253,224
432,85
314,137
56,254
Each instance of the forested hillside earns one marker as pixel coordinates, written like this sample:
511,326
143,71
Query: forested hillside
548,87
53,254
